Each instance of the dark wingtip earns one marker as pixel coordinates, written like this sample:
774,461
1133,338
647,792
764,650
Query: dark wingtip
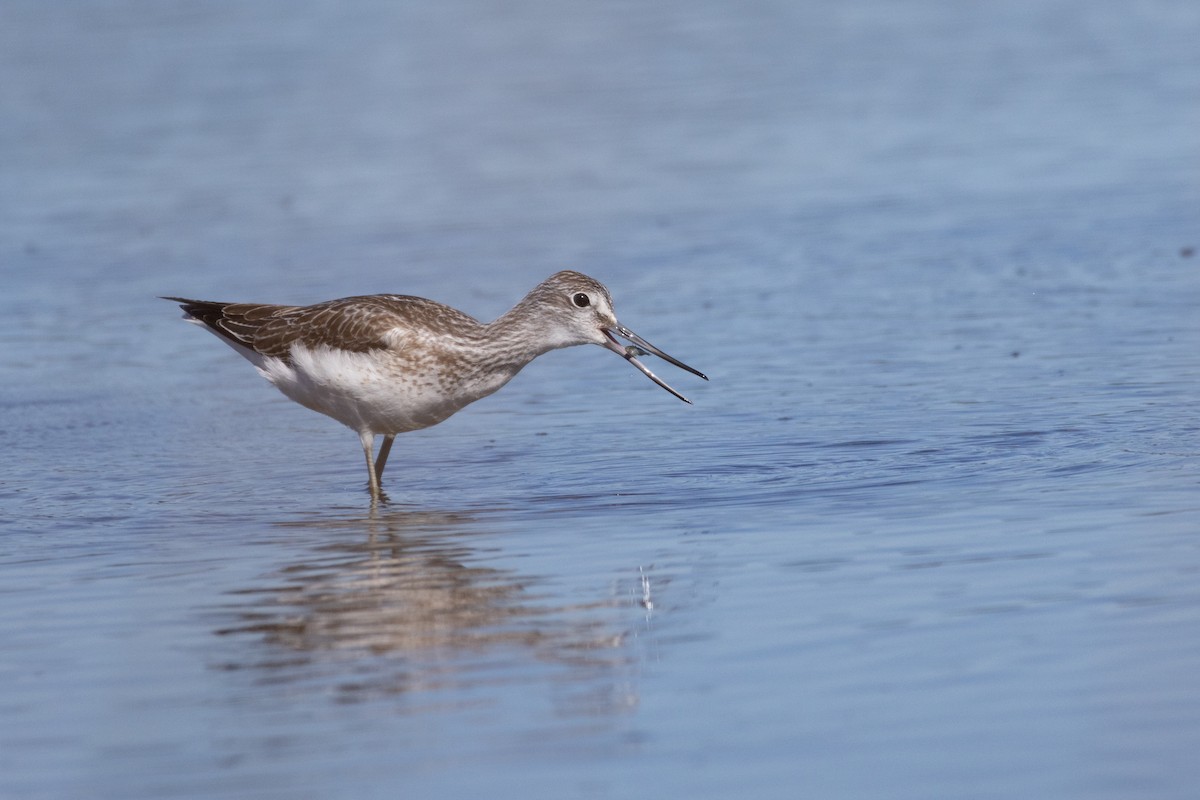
184,302
206,311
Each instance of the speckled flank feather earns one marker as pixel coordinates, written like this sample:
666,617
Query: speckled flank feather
387,364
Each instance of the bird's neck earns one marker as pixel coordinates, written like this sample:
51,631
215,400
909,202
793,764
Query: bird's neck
521,336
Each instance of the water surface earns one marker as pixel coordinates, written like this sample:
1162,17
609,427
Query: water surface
930,531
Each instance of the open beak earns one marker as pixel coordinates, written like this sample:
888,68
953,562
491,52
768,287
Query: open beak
641,347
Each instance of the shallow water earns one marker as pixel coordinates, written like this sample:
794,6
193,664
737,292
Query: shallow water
929,531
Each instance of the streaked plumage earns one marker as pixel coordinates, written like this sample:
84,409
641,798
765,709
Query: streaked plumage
388,364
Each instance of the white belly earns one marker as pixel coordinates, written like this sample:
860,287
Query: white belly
375,392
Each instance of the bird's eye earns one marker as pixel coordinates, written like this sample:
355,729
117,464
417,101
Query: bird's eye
581,300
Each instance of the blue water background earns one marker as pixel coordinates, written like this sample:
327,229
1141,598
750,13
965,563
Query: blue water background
930,531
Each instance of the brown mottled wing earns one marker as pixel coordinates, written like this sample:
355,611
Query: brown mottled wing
356,324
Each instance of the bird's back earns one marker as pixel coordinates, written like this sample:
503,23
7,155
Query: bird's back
352,324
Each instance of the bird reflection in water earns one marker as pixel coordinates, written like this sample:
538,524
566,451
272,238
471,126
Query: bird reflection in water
392,604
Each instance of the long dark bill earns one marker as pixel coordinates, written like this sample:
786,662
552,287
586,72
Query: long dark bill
641,347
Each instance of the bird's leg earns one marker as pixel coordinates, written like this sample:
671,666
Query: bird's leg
368,444
381,459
